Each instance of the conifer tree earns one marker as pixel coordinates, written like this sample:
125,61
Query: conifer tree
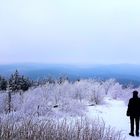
18,82
14,82
25,83
3,84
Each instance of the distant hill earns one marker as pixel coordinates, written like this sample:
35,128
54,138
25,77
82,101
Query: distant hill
124,73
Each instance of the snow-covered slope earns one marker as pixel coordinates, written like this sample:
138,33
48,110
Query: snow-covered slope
92,99
114,114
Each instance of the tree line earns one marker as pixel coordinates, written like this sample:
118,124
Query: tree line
15,82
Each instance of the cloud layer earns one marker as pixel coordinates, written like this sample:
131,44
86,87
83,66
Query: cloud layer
76,31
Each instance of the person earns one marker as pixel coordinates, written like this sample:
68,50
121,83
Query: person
133,112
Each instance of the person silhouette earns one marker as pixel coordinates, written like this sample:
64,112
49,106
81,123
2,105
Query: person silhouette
133,112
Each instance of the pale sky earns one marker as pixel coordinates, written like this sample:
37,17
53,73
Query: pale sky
70,31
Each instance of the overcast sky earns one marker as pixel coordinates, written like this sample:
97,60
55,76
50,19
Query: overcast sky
70,31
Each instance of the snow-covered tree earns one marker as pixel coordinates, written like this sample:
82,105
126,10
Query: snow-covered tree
24,83
108,84
18,82
14,82
3,83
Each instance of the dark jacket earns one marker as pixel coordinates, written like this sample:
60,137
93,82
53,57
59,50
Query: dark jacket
134,107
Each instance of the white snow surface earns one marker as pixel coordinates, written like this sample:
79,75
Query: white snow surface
113,112
109,98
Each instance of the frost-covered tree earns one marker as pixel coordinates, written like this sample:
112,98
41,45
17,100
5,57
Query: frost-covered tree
62,79
14,82
18,82
108,84
50,80
3,83
24,83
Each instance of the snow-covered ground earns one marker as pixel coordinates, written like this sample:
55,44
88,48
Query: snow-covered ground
114,114
72,100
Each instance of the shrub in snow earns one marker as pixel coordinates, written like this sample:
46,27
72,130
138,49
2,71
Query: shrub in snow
108,84
72,108
65,97
57,130
17,101
36,102
96,94
79,91
116,91
3,102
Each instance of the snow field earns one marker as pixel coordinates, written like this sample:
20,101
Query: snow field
91,99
